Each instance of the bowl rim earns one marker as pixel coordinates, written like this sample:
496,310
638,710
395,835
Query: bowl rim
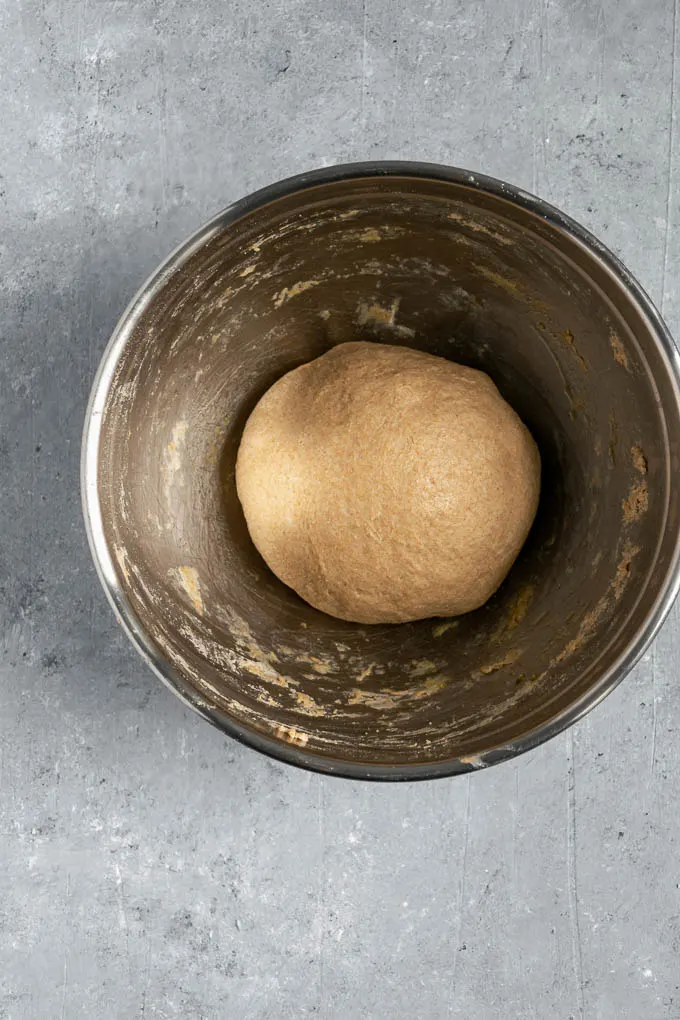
103,558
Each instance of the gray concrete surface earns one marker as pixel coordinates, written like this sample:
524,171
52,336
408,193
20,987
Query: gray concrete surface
150,867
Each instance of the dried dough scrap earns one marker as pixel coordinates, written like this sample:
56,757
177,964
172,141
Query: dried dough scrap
384,484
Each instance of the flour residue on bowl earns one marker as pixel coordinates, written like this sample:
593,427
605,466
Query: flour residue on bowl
478,228
372,313
637,502
570,341
190,581
639,459
592,619
369,235
517,610
388,698
292,735
288,293
172,463
121,558
623,568
441,628
307,705
618,350
365,673
507,660
511,286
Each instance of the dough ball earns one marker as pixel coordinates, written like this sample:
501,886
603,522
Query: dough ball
384,484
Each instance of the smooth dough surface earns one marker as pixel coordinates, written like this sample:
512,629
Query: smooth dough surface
384,484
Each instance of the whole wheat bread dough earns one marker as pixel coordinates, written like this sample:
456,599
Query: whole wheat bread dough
384,484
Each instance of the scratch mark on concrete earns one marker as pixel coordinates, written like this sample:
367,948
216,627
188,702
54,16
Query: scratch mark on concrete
652,762
669,163
122,916
601,34
572,867
64,986
162,126
364,47
542,46
147,981
515,835
321,906
461,899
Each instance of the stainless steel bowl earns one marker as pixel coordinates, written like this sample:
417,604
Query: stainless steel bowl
460,265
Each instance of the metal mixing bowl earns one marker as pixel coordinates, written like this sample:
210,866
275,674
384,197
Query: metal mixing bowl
456,264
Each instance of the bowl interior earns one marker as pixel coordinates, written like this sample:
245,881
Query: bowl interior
459,272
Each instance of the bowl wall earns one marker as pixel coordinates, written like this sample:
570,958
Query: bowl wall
462,267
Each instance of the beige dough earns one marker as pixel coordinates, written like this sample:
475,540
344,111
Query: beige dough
384,484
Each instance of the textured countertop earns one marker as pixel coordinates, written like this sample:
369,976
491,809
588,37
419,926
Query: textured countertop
150,867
